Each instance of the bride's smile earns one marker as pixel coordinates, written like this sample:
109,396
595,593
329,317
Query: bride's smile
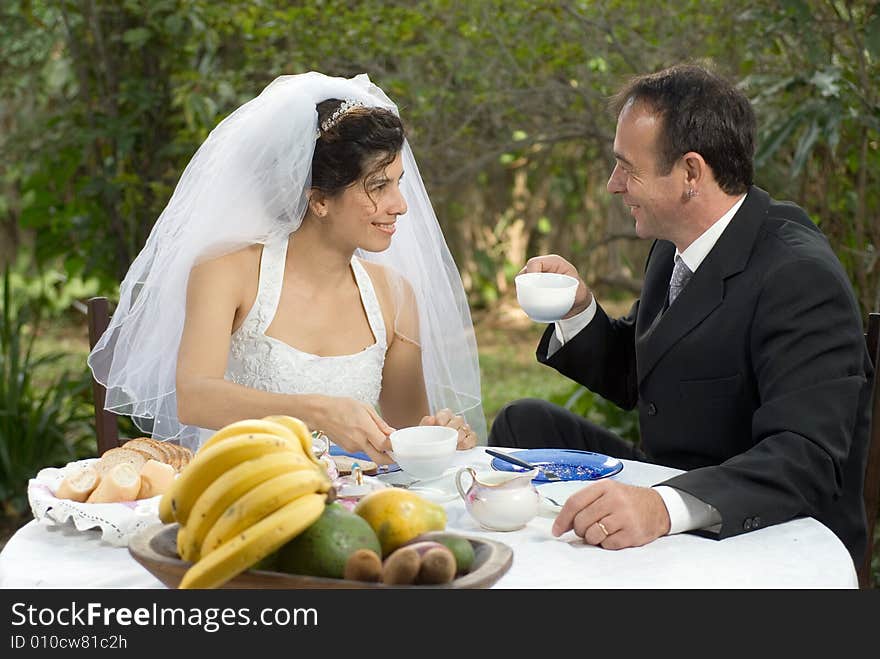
388,227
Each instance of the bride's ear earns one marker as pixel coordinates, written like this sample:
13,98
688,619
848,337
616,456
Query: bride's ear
318,202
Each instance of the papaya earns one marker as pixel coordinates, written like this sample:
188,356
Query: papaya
397,516
323,549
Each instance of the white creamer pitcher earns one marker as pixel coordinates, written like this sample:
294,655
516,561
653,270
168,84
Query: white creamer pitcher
499,501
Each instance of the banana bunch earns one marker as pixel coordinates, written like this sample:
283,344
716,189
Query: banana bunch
253,486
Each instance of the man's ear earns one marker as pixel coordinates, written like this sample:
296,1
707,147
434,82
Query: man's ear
318,202
695,168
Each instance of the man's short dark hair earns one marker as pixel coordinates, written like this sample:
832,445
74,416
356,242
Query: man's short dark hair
702,112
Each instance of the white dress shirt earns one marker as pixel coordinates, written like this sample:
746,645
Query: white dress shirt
686,512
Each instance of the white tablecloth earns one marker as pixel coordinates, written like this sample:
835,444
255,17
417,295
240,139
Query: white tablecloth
799,554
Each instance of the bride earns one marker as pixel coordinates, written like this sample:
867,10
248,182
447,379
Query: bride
297,269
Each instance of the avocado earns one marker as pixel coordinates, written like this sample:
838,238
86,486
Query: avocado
269,562
322,550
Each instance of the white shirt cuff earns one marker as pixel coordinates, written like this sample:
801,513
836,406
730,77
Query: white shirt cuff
687,512
565,330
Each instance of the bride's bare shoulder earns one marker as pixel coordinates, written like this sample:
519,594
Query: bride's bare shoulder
232,264
231,276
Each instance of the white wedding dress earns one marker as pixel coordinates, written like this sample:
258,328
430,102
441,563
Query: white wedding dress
263,362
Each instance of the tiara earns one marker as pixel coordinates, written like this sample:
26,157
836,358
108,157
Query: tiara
346,106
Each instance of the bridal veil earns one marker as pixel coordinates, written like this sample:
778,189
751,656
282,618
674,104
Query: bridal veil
248,183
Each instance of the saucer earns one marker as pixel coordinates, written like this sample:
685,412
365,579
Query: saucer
568,464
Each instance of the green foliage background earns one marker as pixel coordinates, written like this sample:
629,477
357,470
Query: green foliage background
103,102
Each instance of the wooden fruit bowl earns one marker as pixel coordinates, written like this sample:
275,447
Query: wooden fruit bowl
155,548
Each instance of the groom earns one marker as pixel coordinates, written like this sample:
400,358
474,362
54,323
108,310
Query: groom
744,355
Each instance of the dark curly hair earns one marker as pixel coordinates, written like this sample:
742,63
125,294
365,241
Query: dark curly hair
362,142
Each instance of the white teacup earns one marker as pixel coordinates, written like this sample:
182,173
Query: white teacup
424,452
545,296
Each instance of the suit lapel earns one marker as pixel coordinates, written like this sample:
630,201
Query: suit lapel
657,330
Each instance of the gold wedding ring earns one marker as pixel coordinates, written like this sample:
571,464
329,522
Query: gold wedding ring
604,530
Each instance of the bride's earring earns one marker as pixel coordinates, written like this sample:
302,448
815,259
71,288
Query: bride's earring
317,204
318,208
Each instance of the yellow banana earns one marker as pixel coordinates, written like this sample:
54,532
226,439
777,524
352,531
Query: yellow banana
298,428
249,427
228,487
209,464
166,513
255,543
261,501
181,539
244,427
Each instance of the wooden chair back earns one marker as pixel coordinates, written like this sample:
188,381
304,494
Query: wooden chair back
872,469
106,426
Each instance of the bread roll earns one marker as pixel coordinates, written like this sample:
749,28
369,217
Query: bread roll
167,452
182,455
121,482
156,477
78,486
186,456
143,445
121,455
172,455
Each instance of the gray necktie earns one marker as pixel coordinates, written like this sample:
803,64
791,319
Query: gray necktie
681,274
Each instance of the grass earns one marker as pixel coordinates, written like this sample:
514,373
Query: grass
69,335
507,340
508,368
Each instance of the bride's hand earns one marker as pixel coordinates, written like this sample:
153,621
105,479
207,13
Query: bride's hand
355,426
467,438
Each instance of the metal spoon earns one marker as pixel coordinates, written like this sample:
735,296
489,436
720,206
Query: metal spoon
549,475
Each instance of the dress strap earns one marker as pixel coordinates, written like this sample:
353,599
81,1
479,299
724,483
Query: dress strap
370,301
269,288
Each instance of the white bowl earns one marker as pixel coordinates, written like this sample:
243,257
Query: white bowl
424,452
545,296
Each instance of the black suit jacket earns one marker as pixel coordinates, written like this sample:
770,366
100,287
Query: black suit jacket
756,380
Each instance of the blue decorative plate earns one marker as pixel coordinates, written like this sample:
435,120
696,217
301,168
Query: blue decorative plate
383,469
568,464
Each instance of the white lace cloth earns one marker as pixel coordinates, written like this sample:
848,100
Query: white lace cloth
116,521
